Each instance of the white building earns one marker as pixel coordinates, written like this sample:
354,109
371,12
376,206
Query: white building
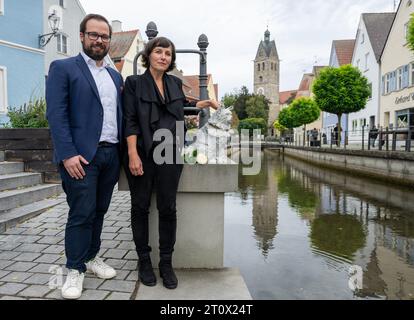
66,43
372,34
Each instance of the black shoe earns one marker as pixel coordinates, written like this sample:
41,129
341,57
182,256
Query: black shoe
167,274
145,272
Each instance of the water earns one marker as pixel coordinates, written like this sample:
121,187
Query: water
296,231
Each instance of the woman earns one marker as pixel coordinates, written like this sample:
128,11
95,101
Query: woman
153,101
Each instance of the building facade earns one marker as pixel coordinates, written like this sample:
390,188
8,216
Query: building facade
372,33
267,76
341,54
21,60
66,43
397,70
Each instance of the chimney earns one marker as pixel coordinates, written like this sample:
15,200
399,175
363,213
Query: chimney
116,26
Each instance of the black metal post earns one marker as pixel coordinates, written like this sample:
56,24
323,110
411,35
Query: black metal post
203,44
363,138
380,140
408,143
394,140
387,141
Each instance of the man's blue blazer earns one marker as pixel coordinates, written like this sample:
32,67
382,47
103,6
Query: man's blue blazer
74,109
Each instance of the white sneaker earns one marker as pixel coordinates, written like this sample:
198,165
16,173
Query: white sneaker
72,289
100,269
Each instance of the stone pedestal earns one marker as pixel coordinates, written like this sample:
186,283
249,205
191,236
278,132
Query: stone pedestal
200,212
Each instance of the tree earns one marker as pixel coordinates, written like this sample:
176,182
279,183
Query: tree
257,106
340,91
288,119
229,100
240,103
278,127
411,33
252,124
305,111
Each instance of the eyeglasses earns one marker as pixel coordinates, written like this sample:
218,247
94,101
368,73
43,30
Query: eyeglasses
95,36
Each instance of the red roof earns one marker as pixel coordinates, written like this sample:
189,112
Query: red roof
285,97
121,43
119,65
194,84
344,50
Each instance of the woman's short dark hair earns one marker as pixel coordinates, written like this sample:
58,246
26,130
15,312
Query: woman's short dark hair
93,16
158,42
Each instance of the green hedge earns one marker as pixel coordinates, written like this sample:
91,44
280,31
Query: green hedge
253,123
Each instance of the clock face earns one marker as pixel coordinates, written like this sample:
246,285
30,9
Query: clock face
260,91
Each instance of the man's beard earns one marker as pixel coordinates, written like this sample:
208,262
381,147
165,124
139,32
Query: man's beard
93,55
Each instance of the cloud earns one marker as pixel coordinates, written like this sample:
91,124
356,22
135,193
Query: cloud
303,31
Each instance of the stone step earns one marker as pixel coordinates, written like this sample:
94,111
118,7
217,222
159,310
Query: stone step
20,197
18,180
1,156
11,167
16,216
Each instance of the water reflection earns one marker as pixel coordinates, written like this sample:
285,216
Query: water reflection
341,221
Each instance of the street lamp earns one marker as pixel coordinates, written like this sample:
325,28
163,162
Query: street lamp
151,33
54,21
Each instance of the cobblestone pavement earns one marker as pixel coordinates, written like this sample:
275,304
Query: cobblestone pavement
32,256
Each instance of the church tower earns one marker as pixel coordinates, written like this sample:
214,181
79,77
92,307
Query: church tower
267,75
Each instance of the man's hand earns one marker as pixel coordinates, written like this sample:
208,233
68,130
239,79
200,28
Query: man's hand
208,103
74,167
135,164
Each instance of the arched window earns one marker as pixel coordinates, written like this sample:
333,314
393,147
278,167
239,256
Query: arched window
258,67
263,65
271,65
261,79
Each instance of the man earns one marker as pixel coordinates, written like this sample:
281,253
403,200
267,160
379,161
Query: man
85,117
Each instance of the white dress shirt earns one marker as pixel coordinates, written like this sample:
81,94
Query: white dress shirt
108,94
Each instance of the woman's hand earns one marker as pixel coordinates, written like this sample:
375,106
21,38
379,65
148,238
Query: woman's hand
135,165
208,104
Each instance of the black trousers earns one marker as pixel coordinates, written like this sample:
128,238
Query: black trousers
164,180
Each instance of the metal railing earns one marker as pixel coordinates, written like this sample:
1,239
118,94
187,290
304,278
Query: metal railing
381,139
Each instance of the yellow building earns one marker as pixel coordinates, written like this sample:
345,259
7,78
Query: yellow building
397,73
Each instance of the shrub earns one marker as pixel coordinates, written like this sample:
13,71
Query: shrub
252,124
29,115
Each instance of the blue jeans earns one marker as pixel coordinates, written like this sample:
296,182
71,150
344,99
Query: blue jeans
89,200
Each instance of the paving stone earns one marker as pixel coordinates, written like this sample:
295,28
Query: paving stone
39,278
108,236
115,253
5,263
125,230
49,232
8,255
32,225
92,283
14,231
115,263
50,240
94,295
9,246
110,229
12,238
21,266
133,276
110,244
123,224
48,258
35,291
30,231
131,265
118,285
108,223
124,237
121,274
54,249
55,295
127,245
27,256
45,268
16,277
11,288
131,255
4,273
34,247
119,296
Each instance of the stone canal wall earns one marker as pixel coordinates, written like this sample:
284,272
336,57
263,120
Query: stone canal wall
396,167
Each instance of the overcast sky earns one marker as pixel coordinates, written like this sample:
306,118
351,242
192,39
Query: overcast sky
303,31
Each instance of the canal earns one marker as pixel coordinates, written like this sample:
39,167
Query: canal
297,231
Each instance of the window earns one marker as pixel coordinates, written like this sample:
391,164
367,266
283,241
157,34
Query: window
406,31
261,79
400,79
412,74
258,67
1,7
358,63
383,85
62,43
354,125
388,83
263,65
362,38
402,118
271,65
405,76
366,61
3,89
370,90
62,3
